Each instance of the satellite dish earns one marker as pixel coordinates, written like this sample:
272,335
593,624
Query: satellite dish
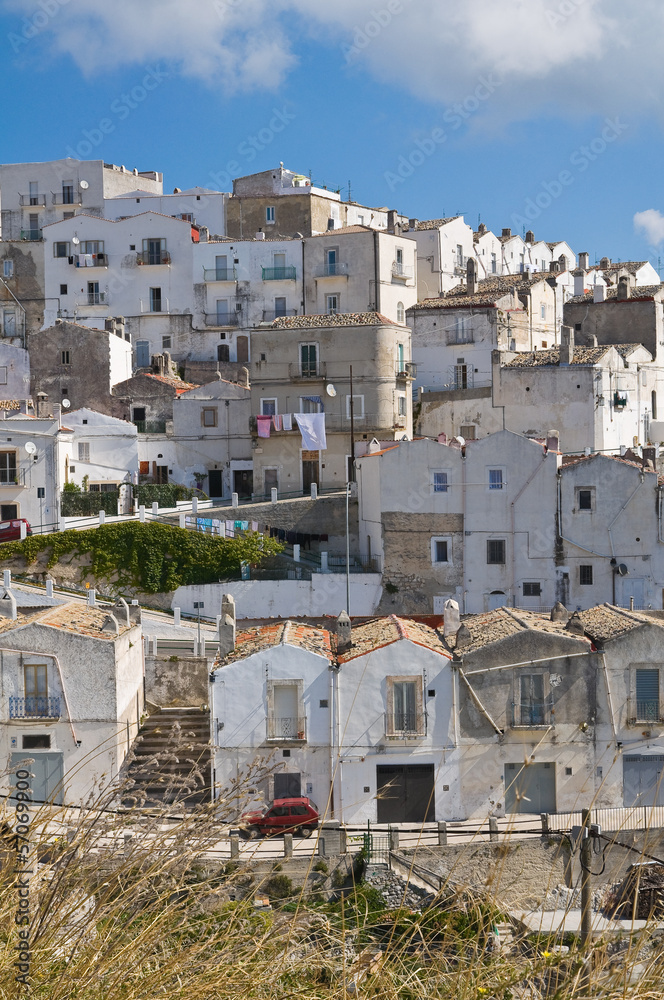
330,390
30,447
622,570
75,240
66,403
84,185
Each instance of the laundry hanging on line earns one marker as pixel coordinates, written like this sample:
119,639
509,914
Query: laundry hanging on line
263,424
312,429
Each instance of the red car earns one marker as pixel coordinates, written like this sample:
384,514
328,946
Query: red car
10,531
297,815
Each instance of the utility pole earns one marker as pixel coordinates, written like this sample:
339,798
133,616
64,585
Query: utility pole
586,908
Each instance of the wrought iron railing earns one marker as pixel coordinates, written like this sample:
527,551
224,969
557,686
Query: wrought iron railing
333,270
150,426
269,315
34,707
307,371
406,369
279,273
286,728
402,270
401,725
32,200
31,234
648,710
153,257
222,319
532,714
67,198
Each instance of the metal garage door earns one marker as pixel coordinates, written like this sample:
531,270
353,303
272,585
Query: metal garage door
287,785
48,773
530,789
405,793
642,780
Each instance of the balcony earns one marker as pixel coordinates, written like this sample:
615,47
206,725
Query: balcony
405,725
150,426
406,369
269,315
34,707
32,200
89,259
402,271
94,299
461,266
290,730
279,273
33,235
296,371
222,319
67,198
156,307
647,711
219,274
151,257
532,715
333,270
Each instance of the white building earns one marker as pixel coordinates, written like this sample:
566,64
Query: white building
198,205
443,249
101,451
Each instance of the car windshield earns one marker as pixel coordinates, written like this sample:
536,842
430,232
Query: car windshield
313,805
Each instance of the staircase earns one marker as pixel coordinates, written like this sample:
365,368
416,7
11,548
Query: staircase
170,762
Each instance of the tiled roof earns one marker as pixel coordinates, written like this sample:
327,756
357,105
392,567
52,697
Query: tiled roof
337,319
627,265
175,383
346,230
576,459
384,631
289,633
435,223
72,617
637,294
608,622
492,626
537,359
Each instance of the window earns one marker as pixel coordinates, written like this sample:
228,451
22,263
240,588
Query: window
401,405
61,249
139,415
532,590
308,360
7,466
154,252
647,695
103,487
67,192
441,550
209,416
495,479
35,679
280,306
34,192
404,706
8,268
585,499
459,255
63,289
269,214
543,311
285,709
332,305
3,375
84,451
494,263
155,300
358,407
331,262
65,358
223,353
92,246
467,432
401,313
95,297
440,482
495,551
532,705
586,576
68,215
268,407
310,404
399,256
463,330
39,741
222,312
166,342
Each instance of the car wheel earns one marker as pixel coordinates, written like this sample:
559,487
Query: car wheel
254,833
305,831
245,834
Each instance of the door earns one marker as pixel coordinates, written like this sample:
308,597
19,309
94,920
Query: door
310,470
142,353
242,346
222,312
93,293
496,599
10,324
405,793
8,511
221,266
154,251
308,362
243,483
642,780
215,485
287,785
270,480
223,353
530,789
633,588
48,774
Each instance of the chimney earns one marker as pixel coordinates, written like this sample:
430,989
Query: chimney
412,223
604,262
559,613
552,440
575,625
472,282
566,345
463,637
599,293
507,232
530,236
111,625
203,234
624,287
579,282
8,606
260,235
123,608
584,260
227,625
343,630
554,267
451,619
481,229
244,377
392,217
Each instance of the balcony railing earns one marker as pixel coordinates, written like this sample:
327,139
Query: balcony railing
647,711
405,725
222,319
32,200
302,371
98,259
402,270
153,257
150,426
34,707
269,315
338,269
279,273
94,299
71,198
406,369
31,234
220,274
156,307
532,715
286,729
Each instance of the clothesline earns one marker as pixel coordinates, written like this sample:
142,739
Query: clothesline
311,426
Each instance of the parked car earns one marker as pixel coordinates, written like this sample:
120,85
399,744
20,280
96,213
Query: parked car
10,531
296,815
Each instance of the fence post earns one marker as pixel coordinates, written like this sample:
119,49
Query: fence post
314,491
183,520
288,845
141,513
176,616
194,506
24,530
393,838
323,562
92,598
235,500
442,834
296,552
62,524
274,495
545,823
102,516
49,588
155,508
493,828
235,845
7,578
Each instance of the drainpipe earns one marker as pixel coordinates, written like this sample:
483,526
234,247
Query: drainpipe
304,287
52,656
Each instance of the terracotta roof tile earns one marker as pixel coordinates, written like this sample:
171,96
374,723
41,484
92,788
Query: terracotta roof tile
537,359
72,617
435,223
493,626
337,319
384,631
608,622
638,294
175,383
288,633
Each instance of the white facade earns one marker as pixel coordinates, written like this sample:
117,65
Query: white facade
443,249
101,449
26,472
198,206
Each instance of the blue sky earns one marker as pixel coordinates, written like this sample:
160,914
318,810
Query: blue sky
536,113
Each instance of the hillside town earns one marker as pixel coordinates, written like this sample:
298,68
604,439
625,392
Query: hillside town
452,435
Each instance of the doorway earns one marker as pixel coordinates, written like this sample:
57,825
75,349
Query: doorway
243,483
47,770
242,348
287,785
642,780
310,470
215,484
530,789
405,793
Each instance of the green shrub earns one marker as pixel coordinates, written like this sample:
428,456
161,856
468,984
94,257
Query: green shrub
279,887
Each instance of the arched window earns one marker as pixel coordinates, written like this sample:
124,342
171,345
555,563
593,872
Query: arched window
401,313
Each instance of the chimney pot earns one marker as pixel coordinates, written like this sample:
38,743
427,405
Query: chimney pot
343,630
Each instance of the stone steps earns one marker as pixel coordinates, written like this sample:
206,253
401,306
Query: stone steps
171,761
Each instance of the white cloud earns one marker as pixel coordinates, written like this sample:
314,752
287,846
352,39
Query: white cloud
651,224
570,57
